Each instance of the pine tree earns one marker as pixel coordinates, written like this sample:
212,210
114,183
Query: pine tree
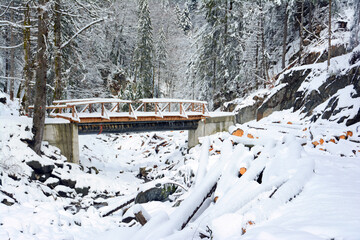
144,51
161,53
184,20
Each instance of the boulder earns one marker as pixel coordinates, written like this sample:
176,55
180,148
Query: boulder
52,182
156,194
64,177
41,167
64,191
83,190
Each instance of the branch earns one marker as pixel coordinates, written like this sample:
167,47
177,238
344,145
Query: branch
7,8
11,47
4,23
23,80
80,31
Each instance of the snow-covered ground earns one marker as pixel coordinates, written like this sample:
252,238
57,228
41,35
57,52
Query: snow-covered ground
298,180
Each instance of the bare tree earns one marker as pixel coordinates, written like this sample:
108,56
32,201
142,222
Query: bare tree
41,69
57,44
329,47
27,58
12,56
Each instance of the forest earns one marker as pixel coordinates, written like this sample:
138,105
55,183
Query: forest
207,50
269,91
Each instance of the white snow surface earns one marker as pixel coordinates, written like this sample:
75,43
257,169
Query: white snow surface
291,189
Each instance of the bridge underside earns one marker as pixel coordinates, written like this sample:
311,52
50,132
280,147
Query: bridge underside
138,126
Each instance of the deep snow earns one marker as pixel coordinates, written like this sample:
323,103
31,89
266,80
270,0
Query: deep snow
316,197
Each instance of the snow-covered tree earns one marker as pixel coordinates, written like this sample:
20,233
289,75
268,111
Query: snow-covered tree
161,54
145,50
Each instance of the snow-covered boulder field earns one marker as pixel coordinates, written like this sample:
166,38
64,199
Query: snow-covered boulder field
278,178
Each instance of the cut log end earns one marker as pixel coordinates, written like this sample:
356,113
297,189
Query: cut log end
242,170
238,133
140,218
315,143
250,136
349,133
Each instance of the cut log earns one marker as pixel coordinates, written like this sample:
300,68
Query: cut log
321,141
289,123
238,133
140,218
119,207
242,170
315,143
198,207
250,136
349,133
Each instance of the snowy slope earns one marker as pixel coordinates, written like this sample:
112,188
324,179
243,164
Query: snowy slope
300,182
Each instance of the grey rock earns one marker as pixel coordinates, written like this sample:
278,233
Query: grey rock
40,168
156,194
83,190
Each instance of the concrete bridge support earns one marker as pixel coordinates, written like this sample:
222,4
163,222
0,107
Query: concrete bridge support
210,126
65,137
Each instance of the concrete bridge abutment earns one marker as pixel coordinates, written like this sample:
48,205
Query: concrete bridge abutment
210,126
65,137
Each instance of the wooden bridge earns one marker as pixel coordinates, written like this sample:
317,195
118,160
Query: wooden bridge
106,115
99,115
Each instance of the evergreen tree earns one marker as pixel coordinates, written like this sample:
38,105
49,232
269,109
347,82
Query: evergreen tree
161,53
144,52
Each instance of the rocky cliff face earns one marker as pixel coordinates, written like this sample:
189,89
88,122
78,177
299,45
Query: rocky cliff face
331,94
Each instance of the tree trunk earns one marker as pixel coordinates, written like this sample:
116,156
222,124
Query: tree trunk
285,32
226,22
57,43
27,69
262,29
12,57
301,30
329,48
40,85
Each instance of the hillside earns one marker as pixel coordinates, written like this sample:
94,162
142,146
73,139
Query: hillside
297,181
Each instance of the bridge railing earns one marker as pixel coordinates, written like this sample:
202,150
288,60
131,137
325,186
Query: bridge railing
77,109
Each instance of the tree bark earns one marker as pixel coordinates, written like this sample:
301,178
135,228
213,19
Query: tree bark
12,56
40,85
27,69
285,32
57,43
263,46
329,47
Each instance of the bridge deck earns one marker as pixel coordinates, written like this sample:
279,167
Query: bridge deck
100,110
